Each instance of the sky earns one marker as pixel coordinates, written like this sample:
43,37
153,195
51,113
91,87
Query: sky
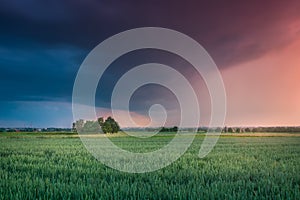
255,44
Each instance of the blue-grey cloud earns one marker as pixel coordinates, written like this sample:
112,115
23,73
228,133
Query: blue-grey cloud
38,73
42,43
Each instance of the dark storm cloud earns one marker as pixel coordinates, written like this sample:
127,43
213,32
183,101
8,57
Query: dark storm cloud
221,26
80,23
43,42
232,31
37,73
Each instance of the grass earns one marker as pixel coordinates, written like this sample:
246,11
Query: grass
43,166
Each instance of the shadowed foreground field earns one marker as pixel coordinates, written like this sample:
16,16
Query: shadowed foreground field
49,166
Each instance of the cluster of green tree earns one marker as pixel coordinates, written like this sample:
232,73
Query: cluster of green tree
172,129
106,126
109,125
278,129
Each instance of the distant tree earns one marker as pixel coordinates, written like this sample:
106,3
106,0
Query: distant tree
248,130
91,126
109,125
257,129
218,129
230,130
163,129
74,127
79,125
202,129
100,121
173,129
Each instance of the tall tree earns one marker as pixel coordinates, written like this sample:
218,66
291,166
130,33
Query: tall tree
109,125
79,124
100,121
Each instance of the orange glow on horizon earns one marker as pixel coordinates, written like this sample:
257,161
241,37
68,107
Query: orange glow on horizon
265,91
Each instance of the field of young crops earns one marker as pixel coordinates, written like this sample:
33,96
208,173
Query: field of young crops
38,166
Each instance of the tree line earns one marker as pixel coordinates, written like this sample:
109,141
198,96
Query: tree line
274,129
226,129
106,126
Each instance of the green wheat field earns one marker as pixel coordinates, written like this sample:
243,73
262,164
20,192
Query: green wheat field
57,166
